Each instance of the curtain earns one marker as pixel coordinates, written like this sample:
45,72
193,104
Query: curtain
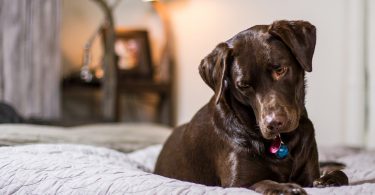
30,56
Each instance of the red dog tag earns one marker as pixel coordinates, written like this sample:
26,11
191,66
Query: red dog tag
275,146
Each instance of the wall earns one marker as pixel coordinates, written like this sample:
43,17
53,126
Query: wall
371,72
199,25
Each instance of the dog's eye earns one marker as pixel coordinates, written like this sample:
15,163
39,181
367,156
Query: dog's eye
278,71
243,85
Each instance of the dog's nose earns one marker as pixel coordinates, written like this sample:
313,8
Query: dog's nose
274,123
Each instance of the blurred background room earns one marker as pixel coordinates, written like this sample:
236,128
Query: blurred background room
75,62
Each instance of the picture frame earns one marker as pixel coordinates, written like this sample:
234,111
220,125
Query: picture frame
133,54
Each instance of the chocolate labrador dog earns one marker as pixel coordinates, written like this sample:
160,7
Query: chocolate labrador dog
255,131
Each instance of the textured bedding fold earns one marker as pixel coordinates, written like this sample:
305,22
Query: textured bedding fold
122,137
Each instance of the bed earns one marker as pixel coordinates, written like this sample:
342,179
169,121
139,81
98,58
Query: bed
92,160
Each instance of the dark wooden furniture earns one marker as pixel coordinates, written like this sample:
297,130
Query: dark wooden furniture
82,101
141,79
164,107
118,83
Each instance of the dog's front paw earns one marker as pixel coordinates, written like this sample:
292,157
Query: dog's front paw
334,178
285,189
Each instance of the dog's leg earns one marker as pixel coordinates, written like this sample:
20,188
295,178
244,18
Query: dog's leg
269,187
333,178
329,166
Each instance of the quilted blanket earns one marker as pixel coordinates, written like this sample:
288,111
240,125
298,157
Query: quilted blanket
79,169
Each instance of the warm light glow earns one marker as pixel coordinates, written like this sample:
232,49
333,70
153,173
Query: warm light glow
99,73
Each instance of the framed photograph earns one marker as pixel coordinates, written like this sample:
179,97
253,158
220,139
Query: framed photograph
133,54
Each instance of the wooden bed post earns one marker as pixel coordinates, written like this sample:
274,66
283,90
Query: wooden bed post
109,79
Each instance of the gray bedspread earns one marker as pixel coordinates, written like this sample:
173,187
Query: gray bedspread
79,169
83,169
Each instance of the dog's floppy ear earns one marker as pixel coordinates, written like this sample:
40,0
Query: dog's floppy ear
300,37
214,67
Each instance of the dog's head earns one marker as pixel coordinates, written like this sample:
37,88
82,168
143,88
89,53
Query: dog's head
263,68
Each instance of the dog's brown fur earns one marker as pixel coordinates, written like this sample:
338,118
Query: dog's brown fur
258,80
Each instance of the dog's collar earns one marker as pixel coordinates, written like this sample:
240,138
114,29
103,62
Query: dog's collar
278,148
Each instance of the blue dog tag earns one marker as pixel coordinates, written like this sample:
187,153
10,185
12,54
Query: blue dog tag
282,152
278,148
